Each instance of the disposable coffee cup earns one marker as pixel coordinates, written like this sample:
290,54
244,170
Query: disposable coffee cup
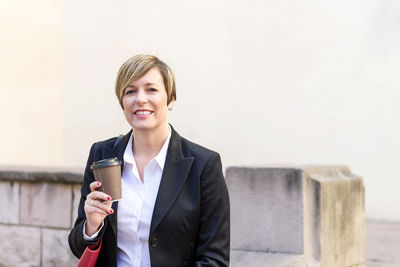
108,173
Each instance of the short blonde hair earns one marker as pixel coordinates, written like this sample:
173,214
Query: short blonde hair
137,66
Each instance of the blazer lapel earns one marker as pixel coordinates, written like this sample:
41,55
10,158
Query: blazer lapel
175,172
119,153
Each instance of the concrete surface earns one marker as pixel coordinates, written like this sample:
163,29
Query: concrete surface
383,244
259,259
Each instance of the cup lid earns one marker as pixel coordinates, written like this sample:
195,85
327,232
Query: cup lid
106,163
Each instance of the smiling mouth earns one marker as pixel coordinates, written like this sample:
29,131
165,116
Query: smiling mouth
143,112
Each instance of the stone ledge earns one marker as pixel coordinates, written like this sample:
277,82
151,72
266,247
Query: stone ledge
40,175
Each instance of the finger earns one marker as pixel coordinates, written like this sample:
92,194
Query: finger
95,209
99,195
92,205
94,186
106,207
89,202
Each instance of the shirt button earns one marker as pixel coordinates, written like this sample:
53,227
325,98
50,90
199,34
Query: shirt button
154,242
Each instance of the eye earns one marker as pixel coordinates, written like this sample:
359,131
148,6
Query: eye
129,91
152,89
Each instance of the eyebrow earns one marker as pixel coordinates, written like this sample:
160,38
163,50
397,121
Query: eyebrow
147,84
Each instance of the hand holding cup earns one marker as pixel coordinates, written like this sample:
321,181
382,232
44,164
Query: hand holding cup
106,189
97,207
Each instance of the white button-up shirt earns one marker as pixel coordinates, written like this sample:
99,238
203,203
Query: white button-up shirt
135,210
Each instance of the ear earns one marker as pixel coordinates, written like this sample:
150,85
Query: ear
171,103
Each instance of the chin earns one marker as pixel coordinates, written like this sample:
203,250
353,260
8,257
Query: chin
143,126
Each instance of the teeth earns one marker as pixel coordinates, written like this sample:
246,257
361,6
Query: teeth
143,112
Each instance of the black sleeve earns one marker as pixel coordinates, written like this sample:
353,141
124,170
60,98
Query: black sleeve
214,235
76,241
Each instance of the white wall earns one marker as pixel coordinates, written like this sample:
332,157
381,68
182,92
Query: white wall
31,79
259,81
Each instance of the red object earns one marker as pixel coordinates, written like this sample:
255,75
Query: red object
89,256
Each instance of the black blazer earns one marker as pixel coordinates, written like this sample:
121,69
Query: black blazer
190,224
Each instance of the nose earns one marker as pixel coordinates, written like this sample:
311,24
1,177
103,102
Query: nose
141,96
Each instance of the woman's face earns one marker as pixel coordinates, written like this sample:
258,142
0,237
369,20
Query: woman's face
145,102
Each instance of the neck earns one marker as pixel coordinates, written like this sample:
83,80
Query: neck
149,143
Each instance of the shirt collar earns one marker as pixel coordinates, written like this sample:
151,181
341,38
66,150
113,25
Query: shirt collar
128,155
161,156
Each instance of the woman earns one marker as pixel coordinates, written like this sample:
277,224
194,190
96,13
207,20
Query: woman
175,206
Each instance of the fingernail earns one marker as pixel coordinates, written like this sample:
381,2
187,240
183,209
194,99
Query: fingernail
108,198
111,211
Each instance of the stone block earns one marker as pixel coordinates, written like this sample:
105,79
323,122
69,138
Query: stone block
313,211
9,199
76,196
19,246
46,204
55,249
334,210
266,209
